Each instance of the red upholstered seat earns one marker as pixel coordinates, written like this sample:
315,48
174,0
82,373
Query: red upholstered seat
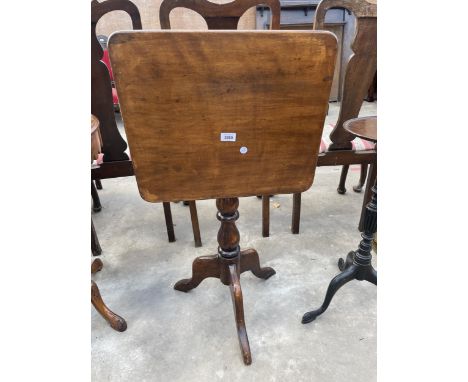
358,143
115,97
105,59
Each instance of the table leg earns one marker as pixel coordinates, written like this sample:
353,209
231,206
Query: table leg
296,214
358,264
227,265
169,223
195,223
95,196
95,246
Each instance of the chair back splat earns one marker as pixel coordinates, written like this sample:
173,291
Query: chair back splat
102,105
359,73
116,161
361,66
218,16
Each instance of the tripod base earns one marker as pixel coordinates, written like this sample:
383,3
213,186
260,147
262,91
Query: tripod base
228,270
350,271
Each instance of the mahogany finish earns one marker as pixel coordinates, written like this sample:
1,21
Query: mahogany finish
223,82
116,161
364,127
114,320
225,16
219,16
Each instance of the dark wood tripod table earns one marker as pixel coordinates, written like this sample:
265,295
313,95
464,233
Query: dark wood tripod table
220,115
358,264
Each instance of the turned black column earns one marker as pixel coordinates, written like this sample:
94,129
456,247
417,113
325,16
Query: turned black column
363,254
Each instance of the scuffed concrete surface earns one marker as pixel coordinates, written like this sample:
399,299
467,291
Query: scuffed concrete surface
175,336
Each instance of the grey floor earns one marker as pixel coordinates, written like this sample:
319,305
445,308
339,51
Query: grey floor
173,336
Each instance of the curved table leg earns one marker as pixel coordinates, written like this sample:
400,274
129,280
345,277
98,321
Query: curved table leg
115,321
96,266
338,281
250,261
238,306
202,267
372,276
342,264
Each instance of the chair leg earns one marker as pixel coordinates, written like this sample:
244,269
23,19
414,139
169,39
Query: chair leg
169,223
344,173
195,224
95,246
265,215
296,214
98,184
362,178
96,201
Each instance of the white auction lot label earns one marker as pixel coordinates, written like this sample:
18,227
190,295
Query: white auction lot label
228,137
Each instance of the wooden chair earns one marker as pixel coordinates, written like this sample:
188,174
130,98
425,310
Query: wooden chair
116,162
218,16
358,77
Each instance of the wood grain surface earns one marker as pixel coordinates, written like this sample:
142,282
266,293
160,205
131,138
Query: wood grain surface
364,127
179,91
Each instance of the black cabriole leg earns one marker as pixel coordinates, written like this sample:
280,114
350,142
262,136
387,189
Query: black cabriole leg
337,282
358,264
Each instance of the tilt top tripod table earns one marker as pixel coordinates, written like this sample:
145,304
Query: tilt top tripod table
220,115
358,263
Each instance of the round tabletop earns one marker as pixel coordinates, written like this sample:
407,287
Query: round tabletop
364,127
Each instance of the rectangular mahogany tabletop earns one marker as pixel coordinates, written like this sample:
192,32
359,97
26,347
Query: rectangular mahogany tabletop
212,114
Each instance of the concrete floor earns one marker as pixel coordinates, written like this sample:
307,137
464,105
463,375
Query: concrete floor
174,336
